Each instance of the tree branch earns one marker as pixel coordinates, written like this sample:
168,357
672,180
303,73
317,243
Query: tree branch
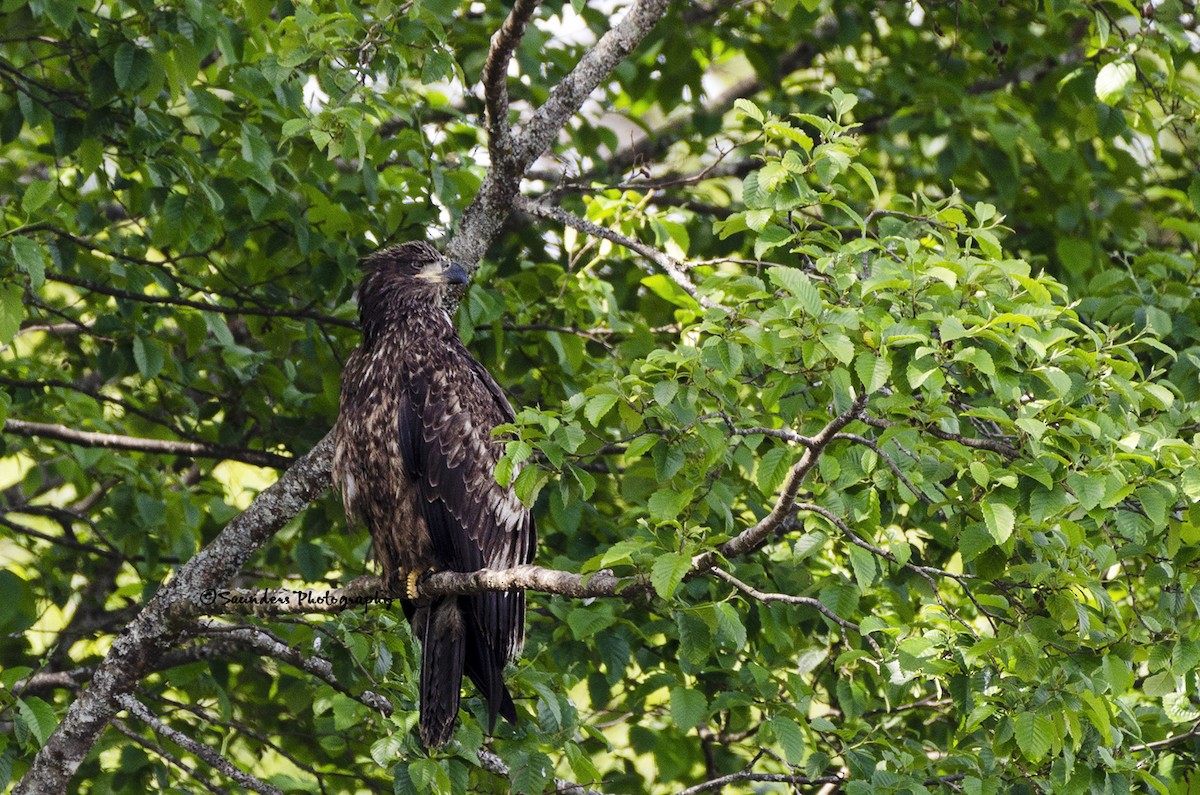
752,536
495,82
155,630
139,444
214,759
485,216
1003,448
746,775
671,266
169,757
807,601
497,767
205,306
263,642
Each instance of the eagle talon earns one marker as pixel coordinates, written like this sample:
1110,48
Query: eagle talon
412,579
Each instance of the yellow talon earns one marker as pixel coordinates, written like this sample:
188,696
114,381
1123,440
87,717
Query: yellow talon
411,584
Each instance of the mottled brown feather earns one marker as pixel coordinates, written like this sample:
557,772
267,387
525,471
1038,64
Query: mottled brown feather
414,459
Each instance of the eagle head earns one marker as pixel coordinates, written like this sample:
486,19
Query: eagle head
405,284
413,264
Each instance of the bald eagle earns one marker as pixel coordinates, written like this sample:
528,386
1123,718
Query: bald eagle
414,459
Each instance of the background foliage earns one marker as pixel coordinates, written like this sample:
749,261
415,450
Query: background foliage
984,217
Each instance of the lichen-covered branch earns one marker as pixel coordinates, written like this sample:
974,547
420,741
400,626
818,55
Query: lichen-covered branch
492,204
200,750
495,81
155,631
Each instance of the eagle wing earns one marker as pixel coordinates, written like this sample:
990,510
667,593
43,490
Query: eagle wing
447,414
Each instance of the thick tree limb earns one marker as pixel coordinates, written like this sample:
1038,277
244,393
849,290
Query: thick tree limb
492,205
671,266
112,441
211,757
364,591
155,631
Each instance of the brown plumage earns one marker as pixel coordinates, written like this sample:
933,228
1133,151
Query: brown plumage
414,458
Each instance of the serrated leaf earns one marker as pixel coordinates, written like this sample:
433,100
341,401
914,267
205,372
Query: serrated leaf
12,312
597,406
999,518
749,108
148,357
668,571
772,469
790,738
1034,734
872,370
38,716
1088,489
796,282
665,392
638,447
36,194
30,257
689,707
666,504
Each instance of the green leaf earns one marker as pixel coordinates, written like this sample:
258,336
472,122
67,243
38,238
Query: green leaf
689,707
1034,734
148,356
38,717
597,406
668,571
790,738
1112,80
872,370
1000,519
666,504
438,64
796,282
30,257
748,108
36,194
772,469
1088,489
12,312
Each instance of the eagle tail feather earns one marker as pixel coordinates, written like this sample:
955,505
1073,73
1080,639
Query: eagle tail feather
443,653
486,670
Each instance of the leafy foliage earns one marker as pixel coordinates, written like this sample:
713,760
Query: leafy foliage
995,564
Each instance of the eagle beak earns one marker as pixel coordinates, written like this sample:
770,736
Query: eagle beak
455,274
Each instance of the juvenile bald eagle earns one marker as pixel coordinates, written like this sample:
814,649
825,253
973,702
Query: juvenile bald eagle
414,457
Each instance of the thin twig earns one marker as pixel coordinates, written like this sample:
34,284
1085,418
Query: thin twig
807,601
671,266
139,444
